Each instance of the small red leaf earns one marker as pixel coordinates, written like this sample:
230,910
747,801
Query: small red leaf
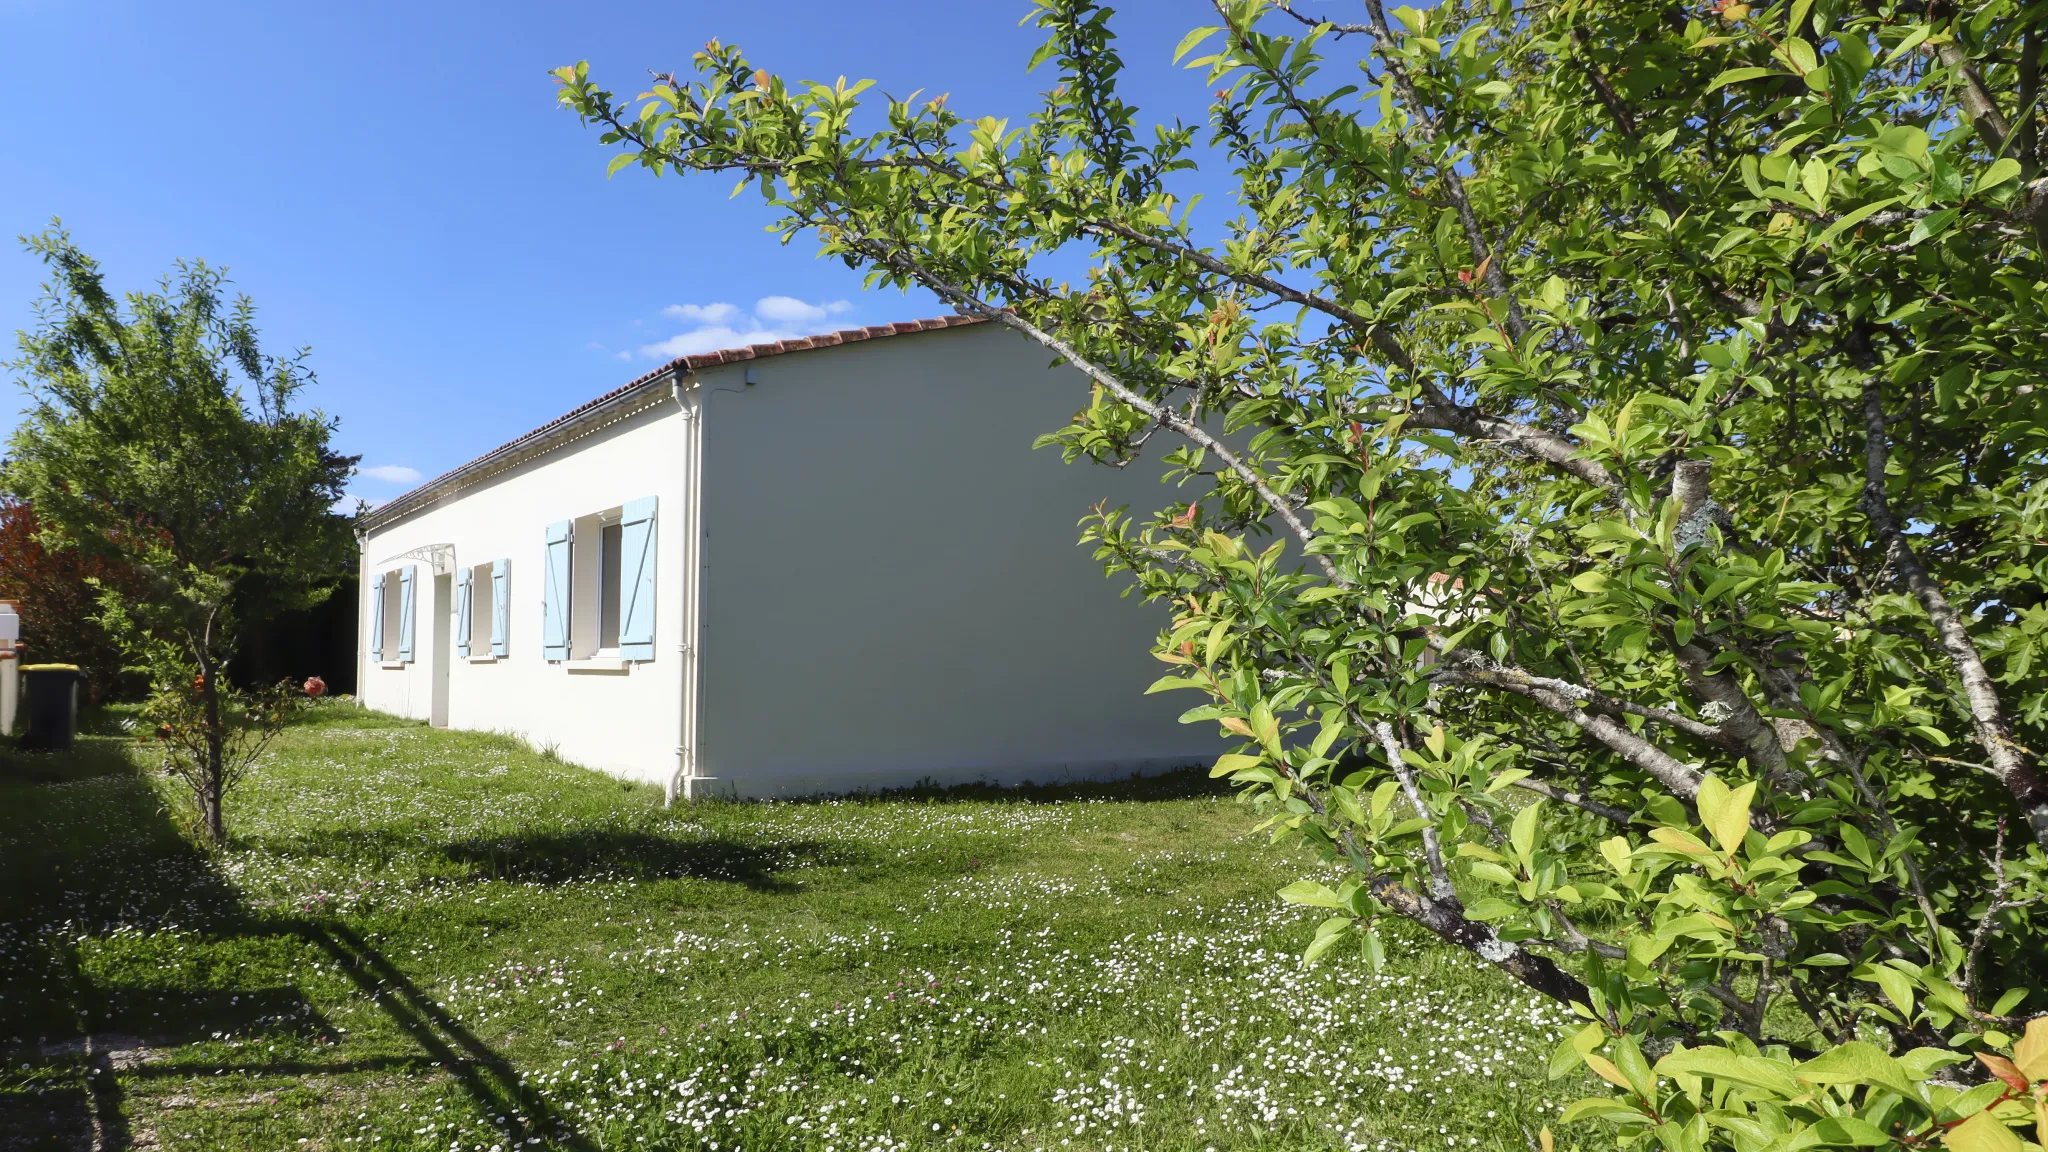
2004,1070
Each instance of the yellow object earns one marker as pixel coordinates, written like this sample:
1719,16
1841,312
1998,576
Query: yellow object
49,667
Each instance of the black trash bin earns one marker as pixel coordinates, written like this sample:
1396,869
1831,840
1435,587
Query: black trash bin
52,691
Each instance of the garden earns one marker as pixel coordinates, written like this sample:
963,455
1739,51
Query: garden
1607,511
421,939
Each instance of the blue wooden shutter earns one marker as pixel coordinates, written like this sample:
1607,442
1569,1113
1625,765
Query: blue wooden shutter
377,618
462,611
636,580
554,631
406,584
501,607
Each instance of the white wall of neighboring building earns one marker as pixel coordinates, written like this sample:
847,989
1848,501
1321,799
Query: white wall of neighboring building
623,720
891,584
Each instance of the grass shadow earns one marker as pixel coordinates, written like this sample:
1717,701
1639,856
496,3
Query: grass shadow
490,1080
571,855
94,854
1191,783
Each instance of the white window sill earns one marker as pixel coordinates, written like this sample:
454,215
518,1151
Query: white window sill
486,659
599,664
394,663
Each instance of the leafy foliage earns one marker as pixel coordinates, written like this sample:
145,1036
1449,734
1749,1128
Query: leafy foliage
210,740
1646,404
55,588
140,448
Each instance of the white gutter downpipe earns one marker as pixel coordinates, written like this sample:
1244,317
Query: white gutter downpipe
684,783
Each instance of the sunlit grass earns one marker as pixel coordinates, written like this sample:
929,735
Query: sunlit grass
439,940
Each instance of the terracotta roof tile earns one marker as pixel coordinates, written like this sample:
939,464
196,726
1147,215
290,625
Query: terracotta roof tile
681,365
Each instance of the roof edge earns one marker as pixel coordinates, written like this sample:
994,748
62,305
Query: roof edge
607,407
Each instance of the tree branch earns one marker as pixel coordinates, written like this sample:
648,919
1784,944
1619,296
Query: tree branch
1987,716
1577,800
1440,888
1682,780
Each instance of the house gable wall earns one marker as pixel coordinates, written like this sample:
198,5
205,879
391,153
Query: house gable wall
891,584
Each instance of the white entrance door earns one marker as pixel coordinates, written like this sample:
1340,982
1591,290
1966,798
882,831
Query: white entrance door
444,649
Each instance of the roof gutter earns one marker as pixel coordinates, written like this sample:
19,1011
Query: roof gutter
644,394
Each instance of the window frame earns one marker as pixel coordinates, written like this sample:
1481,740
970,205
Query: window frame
393,639
610,596
587,586
482,603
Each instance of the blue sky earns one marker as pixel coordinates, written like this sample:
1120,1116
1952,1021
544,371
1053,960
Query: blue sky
395,187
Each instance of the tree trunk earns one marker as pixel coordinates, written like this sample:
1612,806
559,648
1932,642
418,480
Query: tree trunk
211,794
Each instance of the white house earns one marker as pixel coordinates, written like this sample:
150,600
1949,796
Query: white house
821,565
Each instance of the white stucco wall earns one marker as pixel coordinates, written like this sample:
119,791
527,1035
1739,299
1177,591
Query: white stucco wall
623,722
892,588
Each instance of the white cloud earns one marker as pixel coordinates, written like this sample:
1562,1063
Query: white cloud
710,339
703,313
718,326
392,473
790,310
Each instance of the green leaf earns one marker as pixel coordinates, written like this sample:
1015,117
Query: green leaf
1727,1065
1312,894
1913,40
1859,1062
1839,1131
1982,1133
1814,178
1491,908
1737,76
1932,224
1902,140
2003,169
1189,41
1328,933
1597,1106
1567,1056
1375,951
1522,834
1725,811
1234,762
1853,218
1629,1058
1729,240
1802,54
1898,988
1618,854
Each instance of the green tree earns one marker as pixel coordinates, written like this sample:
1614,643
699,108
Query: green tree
161,437
1612,438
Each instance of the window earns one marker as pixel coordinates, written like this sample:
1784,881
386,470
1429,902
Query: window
610,539
481,618
391,602
394,612
478,610
597,597
594,586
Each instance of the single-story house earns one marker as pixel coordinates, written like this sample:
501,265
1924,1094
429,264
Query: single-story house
822,565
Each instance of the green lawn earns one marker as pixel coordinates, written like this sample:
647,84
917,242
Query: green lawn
439,940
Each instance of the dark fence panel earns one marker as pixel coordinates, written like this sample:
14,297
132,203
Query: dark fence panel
318,641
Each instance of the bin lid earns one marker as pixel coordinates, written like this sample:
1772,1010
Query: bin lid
49,667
